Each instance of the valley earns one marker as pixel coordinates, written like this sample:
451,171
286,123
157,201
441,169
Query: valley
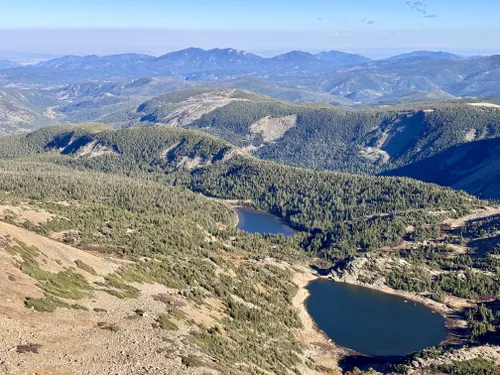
80,89
457,138
217,212
116,237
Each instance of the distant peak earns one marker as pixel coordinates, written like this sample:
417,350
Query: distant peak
431,54
294,55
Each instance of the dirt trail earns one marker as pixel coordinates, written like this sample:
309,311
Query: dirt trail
480,214
484,104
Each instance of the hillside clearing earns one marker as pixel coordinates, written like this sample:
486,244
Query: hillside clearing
273,128
484,104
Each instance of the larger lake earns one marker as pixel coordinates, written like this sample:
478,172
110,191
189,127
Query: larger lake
372,322
252,221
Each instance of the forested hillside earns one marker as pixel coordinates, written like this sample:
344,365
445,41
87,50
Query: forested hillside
338,213
395,140
140,264
323,137
380,140
472,167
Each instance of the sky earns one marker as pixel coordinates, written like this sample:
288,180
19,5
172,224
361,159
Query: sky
373,27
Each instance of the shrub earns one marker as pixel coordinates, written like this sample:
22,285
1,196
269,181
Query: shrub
165,323
85,267
476,366
191,361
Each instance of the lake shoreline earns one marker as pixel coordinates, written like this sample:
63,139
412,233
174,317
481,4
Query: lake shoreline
451,322
312,333
327,353
235,204
253,221
330,355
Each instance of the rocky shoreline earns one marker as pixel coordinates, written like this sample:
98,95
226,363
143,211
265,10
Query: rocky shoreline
450,309
311,334
337,354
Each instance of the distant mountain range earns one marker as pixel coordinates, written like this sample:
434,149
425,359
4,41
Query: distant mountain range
191,63
197,59
331,76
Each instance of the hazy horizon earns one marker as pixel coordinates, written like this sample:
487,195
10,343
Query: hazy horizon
376,29
26,45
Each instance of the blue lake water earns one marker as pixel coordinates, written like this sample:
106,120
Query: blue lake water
252,221
372,322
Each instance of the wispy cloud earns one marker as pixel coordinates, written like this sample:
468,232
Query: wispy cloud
417,6
367,21
421,8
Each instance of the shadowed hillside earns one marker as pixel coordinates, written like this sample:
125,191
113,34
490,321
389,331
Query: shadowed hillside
473,167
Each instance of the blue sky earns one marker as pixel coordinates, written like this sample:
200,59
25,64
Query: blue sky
244,14
261,26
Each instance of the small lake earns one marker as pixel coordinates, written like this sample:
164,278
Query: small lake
253,221
371,322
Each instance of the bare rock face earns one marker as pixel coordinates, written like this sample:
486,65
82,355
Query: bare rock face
460,355
364,270
272,128
350,271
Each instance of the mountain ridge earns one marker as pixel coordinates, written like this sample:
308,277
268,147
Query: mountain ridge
315,135
347,78
433,54
323,137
